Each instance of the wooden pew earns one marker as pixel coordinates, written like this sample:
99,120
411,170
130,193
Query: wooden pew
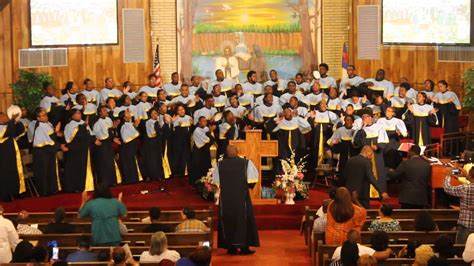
401,236
132,216
133,239
325,252
398,261
136,250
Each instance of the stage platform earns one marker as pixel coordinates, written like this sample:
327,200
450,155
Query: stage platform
180,194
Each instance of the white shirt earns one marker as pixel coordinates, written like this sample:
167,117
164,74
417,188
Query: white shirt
363,250
8,240
468,254
167,255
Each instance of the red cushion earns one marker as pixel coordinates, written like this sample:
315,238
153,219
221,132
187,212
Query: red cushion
436,132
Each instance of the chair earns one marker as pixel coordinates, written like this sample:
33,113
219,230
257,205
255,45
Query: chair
27,161
436,133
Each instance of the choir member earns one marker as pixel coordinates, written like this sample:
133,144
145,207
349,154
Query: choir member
399,101
341,143
379,107
11,169
245,100
375,136
278,85
125,102
69,94
128,148
419,118
226,84
235,107
128,89
265,112
301,85
334,103
315,97
395,129
208,111
172,89
150,89
298,109
22,138
165,123
428,89
447,102
201,154
105,167
196,88
379,85
91,94
352,80
266,90
410,92
111,105
143,106
162,98
291,91
322,122
357,121
43,137
109,91
219,99
326,81
228,130
51,104
189,100
151,148
252,87
356,101
77,163
181,141
87,109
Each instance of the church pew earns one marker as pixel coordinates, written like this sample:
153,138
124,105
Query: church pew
132,216
398,261
136,250
400,236
325,252
133,227
132,239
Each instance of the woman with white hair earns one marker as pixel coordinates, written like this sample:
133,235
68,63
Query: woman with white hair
159,250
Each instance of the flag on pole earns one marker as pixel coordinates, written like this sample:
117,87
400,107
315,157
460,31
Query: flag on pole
156,67
345,60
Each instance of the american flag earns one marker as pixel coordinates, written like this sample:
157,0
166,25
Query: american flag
345,60
156,67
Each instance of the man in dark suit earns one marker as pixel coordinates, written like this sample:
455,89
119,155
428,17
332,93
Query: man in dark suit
415,174
359,176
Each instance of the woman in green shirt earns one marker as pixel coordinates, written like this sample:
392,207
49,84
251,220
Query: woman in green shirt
104,211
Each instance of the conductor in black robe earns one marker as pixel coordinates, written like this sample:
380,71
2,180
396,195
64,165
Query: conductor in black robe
236,226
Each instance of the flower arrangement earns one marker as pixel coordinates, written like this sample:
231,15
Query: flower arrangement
291,181
209,190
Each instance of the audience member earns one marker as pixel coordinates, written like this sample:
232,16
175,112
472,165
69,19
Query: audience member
104,255
425,222
343,215
23,252
23,228
354,237
319,225
190,224
201,256
59,226
366,260
465,193
444,247
332,195
83,254
159,250
349,253
435,261
379,241
40,254
8,238
468,253
120,257
104,212
408,251
422,254
155,226
385,222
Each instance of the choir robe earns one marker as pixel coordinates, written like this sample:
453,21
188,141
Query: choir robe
236,224
420,122
333,104
53,108
326,82
262,115
357,105
164,142
151,151
429,94
246,100
106,93
189,101
152,92
68,99
226,86
259,100
172,89
22,138
392,156
11,168
381,87
313,99
201,154
91,96
374,134
130,108
400,105
105,167
141,110
411,93
254,89
208,113
45,164
290,136
344,147
448,111
280,85
351,82
236,111
89,109
285,98
227,132
181,145
322,125
128,154
77,162
303,87
220,102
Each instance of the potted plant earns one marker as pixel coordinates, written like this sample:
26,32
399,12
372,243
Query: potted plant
468,98
28,88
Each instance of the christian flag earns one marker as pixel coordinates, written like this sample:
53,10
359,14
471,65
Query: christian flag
345,60
156,67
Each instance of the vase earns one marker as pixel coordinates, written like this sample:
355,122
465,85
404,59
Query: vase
289,198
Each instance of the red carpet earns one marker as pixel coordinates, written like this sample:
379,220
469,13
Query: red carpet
180,194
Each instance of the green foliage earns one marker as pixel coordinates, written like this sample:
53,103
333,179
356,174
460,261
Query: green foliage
284,52
209,28
28,88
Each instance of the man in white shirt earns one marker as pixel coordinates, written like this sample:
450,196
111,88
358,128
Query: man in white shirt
8,238
354,237
468,254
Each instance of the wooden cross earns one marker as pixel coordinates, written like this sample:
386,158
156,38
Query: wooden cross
254,148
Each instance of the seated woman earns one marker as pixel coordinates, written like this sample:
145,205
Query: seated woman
159,250
425,222
444,247
385,222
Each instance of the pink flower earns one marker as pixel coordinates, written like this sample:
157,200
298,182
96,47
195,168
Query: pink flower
208,187
300,175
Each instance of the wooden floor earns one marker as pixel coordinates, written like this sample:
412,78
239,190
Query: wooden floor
281,247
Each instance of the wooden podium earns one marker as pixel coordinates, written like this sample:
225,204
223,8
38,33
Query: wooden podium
254,148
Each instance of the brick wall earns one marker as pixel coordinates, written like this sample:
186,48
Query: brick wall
335,30
163,27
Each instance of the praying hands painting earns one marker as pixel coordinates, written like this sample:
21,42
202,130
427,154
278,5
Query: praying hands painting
242,35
